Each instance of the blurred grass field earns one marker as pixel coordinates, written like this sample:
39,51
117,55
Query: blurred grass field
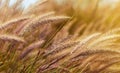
60,36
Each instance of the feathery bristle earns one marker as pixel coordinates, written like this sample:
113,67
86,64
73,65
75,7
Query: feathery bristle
38,22
30,48
84,41
12,22
8,37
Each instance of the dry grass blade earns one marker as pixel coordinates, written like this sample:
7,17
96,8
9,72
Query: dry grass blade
54,61
13,38
43,1
47,15
108,64
12,22
113,31
30,48
61,47
38,21
38,3
89,52
84,41
88,60
104,38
